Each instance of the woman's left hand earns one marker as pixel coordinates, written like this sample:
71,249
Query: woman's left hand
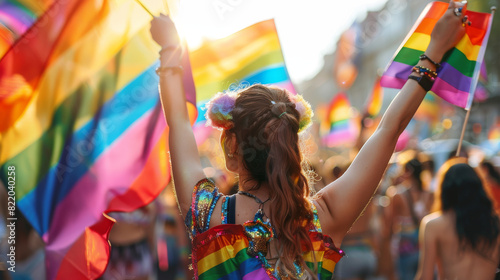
164,32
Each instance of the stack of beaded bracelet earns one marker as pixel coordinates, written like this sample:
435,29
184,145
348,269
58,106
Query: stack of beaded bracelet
425,71
169,70
167,53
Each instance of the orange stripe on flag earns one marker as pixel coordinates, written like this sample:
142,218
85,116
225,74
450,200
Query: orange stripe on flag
426,25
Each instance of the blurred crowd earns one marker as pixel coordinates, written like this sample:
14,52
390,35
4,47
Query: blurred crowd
384,242
152,242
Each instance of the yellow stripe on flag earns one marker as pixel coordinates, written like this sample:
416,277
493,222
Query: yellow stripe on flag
220,68
418,41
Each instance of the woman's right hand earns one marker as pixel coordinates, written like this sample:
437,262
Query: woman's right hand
447,32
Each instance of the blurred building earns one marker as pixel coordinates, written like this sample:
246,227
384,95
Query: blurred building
364,50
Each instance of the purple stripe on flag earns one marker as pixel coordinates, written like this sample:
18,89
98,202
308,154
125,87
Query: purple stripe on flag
398,70
446,91
391,82
450,93
397,74
453,78
256,274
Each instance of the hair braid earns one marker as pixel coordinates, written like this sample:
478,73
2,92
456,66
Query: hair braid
266,125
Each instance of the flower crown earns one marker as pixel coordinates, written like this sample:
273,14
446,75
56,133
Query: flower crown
219,110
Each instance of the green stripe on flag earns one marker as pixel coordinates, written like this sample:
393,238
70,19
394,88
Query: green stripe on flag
453,57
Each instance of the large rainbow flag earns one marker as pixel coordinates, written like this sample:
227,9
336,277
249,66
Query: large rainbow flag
457,78
83,127
340,126
251,55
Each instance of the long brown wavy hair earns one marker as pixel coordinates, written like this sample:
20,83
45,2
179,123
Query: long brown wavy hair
266,126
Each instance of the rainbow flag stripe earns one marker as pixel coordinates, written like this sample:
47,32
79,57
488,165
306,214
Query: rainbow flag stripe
223,249
16,16
457,78
82,90
339,127
251,55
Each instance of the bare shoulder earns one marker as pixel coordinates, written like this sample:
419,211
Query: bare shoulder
436,216
433,220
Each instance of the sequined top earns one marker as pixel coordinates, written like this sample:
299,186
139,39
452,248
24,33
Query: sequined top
233,251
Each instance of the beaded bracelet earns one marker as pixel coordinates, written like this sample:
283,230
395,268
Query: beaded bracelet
424,71
425,57
173,69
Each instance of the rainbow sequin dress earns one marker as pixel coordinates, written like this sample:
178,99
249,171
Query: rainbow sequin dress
226,252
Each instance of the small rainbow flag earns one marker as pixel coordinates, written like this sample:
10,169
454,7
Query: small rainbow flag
251,55
83,127
457,78
375,100
346,67
340,127
494,133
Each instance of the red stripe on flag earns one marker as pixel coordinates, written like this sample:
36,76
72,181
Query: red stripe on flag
94,243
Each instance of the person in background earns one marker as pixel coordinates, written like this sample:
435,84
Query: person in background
29,246
359,243
132,245
360,246
172,246
462,239
428,171
491,178
409,205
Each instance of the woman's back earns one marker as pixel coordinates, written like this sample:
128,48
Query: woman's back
228,242
457,261
463,238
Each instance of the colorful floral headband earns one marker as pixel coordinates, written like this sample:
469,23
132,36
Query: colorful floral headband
219,110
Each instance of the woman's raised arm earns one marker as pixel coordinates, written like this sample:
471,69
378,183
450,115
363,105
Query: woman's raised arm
341,202
186,165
